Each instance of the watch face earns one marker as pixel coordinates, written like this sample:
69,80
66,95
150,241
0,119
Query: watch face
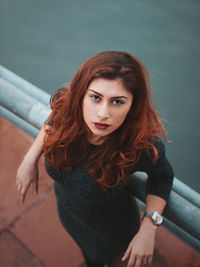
157,217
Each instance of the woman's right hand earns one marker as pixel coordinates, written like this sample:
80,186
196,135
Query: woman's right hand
27,174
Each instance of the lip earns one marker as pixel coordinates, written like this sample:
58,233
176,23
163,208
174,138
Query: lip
101,126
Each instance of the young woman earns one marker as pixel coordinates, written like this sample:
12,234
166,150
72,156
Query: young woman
102,128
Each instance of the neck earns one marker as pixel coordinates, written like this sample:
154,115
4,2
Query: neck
96,140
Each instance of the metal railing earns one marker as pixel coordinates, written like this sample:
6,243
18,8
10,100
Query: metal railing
27,107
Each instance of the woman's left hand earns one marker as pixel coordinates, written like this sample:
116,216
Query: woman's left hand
141,248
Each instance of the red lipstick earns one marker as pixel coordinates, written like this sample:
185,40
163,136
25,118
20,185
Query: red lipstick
101,126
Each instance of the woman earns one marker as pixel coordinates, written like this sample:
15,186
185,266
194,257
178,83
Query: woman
101,129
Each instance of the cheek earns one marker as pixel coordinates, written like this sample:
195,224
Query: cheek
87,109
121,115
121,119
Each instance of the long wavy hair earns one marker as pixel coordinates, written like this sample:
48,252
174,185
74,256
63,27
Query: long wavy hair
66,143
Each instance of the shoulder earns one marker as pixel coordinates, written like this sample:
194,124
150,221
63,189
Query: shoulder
154,154
159,145
157,166
157,148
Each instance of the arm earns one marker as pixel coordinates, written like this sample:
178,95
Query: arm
141,247
158,187
27,172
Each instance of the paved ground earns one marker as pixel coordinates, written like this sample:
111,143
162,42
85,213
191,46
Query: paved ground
31,234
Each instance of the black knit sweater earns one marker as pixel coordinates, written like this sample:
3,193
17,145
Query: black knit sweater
104,222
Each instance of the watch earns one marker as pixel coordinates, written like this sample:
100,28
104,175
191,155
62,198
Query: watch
156,217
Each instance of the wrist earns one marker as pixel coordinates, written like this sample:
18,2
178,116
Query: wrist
155,217
31,159
147,223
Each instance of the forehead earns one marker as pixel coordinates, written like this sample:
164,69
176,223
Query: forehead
109,88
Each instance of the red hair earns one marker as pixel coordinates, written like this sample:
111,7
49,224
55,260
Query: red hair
66,143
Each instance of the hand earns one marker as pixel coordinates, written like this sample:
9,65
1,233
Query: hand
27,174
141,247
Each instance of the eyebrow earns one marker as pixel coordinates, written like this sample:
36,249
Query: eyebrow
114,97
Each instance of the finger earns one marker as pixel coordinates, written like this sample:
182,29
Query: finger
17,181
23,198
23,195
36,186
144,262
24,191
19,187
150,260
138,262
127,253
132,261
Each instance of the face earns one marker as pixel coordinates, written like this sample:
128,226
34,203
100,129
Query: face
105,107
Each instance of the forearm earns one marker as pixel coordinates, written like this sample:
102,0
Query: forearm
36,150
155,203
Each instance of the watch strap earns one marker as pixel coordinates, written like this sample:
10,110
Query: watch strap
147,213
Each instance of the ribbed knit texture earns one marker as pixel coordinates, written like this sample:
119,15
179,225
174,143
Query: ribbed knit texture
104,222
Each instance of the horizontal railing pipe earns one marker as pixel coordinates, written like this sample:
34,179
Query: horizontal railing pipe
24,85
20,123
23,105
186,192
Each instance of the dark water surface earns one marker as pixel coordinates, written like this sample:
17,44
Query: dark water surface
46,41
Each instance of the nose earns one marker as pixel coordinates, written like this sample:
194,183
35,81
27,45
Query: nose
103,111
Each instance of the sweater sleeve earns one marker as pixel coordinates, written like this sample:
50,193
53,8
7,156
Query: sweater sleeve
160,174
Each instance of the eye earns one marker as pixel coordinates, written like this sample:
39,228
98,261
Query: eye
95,98
118,102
